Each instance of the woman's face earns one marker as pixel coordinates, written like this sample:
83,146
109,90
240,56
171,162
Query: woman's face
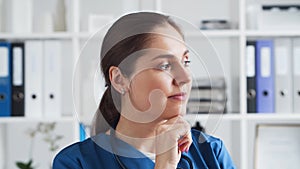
160,84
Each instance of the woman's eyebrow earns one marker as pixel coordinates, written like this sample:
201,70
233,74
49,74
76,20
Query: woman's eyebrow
169,55
186,52
163,56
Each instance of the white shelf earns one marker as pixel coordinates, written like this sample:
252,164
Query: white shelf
286,33
227,117
190,34
87,35
4,120
238,117
56,35
214,33
273,116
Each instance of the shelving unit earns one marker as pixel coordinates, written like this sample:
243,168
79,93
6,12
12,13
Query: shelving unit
60,35
8,120
236,127
15,141
283,33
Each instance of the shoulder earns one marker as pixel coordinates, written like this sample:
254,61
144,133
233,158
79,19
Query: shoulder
72,155
212,149
75,148
204,142
201,137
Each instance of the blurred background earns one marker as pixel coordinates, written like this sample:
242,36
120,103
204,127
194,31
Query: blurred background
245,64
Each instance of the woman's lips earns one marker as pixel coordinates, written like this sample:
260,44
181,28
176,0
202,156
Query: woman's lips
179,96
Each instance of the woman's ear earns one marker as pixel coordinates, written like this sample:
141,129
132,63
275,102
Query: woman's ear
117,79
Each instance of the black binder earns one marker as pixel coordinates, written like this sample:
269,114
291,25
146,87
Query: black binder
17,80
251,82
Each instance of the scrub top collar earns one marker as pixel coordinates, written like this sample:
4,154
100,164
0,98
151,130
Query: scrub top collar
130,156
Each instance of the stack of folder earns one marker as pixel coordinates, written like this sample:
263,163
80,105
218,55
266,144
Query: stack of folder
273,75
30,78
208,95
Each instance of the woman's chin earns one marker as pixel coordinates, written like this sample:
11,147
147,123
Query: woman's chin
171,113
179,108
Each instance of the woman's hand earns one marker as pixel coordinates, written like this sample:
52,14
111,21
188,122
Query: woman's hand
172,138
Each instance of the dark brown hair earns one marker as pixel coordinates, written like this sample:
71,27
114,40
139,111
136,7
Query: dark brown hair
130,33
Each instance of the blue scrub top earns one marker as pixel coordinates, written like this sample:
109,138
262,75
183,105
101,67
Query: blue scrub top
205,152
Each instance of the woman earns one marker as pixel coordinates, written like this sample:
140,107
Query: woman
139,123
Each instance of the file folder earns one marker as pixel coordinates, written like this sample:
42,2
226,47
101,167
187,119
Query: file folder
18,71
265,76
5,79
34,78
296,75
52,78
283,75
250,71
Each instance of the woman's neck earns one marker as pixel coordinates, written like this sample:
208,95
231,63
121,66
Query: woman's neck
139,135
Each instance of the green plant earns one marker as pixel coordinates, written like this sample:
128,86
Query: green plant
23,165
49,136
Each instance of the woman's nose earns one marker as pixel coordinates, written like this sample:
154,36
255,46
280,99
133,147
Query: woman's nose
182,75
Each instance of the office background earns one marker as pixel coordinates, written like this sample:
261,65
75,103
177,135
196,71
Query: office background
257,43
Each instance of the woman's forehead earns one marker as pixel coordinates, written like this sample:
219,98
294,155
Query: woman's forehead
168,31
165,42
166,45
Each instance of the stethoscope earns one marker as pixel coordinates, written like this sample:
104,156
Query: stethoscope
191,166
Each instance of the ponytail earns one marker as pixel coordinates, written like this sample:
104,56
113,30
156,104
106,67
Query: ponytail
107,115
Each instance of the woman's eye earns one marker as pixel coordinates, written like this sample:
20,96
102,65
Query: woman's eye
186,63
165,66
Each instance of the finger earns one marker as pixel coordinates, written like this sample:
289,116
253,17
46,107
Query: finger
185,142
176,131
176,125
184,147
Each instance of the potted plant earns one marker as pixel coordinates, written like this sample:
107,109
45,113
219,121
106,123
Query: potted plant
48,135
